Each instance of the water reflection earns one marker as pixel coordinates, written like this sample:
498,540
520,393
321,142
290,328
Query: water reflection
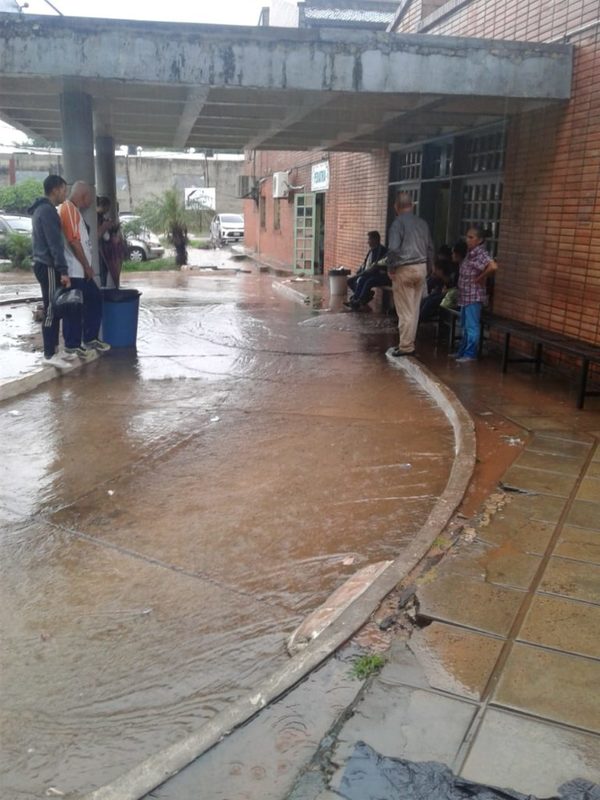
176,512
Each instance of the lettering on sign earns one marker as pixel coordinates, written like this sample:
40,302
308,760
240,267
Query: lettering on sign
319,181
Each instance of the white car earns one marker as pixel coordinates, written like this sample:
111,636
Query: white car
227,228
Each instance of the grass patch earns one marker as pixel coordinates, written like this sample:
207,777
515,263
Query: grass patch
199,244
153,265
367,665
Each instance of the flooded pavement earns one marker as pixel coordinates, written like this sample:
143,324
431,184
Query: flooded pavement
170,516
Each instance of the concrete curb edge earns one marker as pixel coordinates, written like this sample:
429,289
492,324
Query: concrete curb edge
27,383
156,769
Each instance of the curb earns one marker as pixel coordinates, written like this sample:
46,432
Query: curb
291,293
155,770
28,383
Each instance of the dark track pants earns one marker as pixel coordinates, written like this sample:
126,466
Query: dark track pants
49,280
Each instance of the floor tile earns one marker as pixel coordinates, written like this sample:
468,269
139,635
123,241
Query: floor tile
593,470
505,564
580,543
508,566
529,536
508,745
536,506
566,465
589,490
456,660
585,514
399,723
563,624
559,447
572,579
532,422
535,480
551,685
472,603
568,436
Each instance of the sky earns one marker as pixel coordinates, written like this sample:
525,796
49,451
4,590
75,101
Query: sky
222,12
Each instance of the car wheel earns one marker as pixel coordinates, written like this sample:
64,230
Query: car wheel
137,254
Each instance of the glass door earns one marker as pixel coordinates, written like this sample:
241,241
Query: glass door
304,233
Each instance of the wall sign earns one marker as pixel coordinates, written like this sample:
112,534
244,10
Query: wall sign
319,178
200,197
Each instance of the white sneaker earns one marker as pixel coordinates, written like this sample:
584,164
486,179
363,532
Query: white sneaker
64,356
58,362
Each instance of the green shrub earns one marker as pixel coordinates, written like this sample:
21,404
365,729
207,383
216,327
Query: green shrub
19,250
18,198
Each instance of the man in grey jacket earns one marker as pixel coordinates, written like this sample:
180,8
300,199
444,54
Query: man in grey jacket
409,258
49,263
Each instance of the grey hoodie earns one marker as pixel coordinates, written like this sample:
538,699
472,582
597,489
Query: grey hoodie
48,242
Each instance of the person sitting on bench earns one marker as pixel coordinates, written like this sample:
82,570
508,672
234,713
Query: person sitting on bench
369,274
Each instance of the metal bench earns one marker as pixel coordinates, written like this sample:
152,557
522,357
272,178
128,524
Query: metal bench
542,338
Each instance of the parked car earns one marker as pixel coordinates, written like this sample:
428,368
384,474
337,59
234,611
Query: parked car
142,244
11,223
227,228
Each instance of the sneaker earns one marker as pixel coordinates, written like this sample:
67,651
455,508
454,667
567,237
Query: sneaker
57,362
80,352
97,344
465,359
398,353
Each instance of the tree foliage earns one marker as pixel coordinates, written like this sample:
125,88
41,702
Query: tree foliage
19,250
167,214
18,198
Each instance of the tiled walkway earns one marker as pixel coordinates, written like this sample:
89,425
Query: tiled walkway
504,684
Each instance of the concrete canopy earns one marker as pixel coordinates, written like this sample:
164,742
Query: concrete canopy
205,86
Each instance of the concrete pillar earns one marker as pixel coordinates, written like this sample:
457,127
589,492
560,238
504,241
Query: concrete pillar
78,153
106,171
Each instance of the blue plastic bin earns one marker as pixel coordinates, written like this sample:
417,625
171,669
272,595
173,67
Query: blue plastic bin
120,312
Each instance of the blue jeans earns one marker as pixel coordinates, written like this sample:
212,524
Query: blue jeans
85,326
470,316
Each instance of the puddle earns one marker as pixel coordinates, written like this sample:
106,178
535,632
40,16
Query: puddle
171,515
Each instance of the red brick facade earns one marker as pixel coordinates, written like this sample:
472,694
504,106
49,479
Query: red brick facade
355,203
549,248
549,245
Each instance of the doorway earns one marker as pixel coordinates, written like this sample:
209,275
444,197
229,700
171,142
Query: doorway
319,257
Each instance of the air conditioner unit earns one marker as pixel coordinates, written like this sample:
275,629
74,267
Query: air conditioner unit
281,186
246,186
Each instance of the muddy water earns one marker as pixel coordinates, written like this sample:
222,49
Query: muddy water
170,516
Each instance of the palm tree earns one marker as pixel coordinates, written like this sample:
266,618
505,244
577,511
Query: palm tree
166,213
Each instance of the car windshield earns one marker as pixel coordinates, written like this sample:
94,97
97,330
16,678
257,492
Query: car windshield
21,224
232,218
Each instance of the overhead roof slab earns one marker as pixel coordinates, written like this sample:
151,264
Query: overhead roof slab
175,85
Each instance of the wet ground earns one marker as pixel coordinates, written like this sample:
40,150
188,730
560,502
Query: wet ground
170,516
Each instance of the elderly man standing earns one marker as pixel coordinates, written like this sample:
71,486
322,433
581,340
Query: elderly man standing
409,258
81,330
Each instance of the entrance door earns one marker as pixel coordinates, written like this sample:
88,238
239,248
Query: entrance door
319,233
304,233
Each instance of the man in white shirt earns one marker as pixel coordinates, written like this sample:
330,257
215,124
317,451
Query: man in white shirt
81,330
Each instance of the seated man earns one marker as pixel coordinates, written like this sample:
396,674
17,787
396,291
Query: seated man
369,274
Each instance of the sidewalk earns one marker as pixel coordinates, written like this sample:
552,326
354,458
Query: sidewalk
499,679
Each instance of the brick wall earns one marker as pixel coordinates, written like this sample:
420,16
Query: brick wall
549,248
532,20
355,203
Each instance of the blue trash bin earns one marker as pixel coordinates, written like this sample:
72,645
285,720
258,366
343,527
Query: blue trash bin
120,311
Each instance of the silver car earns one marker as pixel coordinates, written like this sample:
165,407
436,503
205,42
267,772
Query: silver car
143,245
11,223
